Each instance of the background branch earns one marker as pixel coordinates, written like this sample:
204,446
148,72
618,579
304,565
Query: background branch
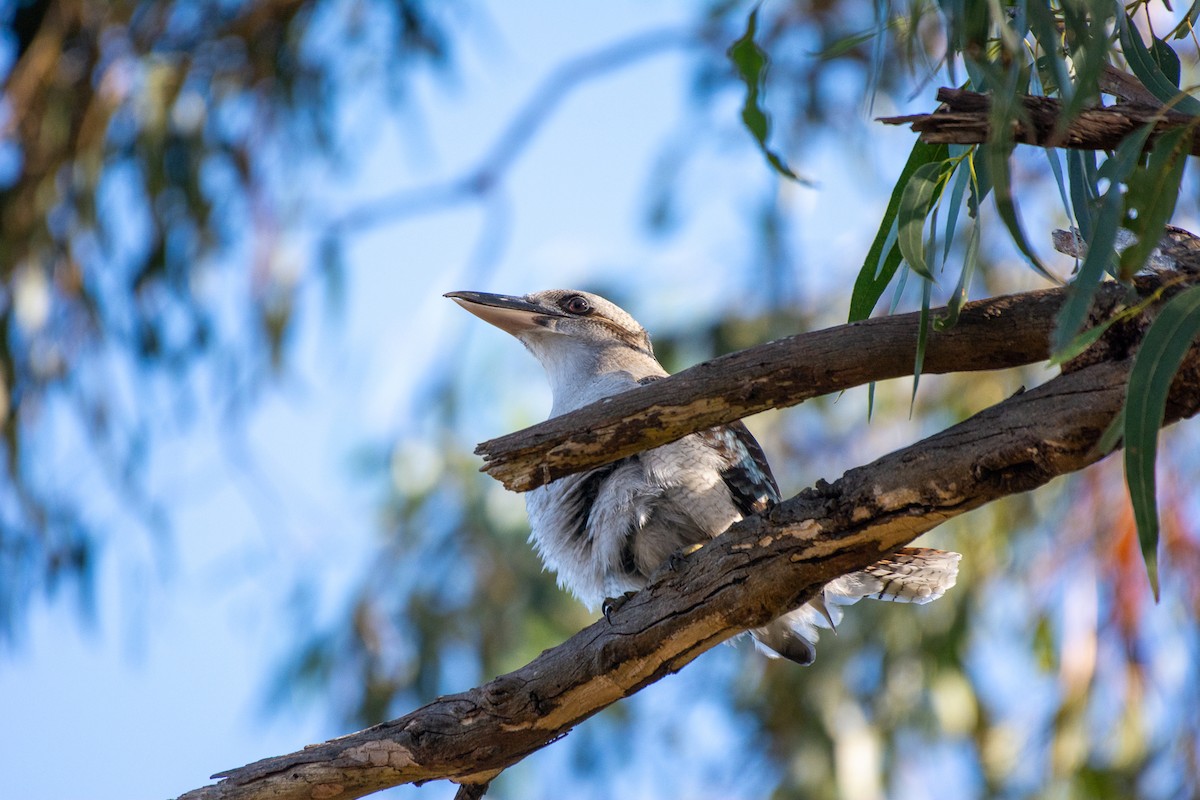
480,180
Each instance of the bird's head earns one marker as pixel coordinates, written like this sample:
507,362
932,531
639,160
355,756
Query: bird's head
580,338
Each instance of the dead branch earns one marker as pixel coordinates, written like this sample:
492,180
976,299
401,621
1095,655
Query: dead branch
963,118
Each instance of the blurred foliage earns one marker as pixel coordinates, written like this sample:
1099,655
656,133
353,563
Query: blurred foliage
142,231
144,226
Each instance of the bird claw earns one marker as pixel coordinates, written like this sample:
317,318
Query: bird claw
613,604
676,560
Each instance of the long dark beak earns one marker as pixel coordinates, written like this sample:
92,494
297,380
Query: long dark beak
510,314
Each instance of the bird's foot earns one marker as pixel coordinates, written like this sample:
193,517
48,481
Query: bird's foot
613,604
676,560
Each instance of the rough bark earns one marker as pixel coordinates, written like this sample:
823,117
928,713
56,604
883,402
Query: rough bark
991,334
963,118
761,567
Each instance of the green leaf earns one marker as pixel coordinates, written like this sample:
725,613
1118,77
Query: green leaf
1148,72
898,292
1087,338
1081,174
1085,26
919,194
996,157
883,259
751,63
981,185
1165,59
849,43
1100,255
1045,29
1111,437
1185,26
1163,349
922,342
962,176
1153,192
959,298
1056,169
1006,109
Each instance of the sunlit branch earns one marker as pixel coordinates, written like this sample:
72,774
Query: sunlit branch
996,333
744,578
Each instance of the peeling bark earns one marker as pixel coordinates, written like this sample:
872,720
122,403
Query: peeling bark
963,118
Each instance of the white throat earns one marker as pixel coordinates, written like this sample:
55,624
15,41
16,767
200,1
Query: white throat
582,372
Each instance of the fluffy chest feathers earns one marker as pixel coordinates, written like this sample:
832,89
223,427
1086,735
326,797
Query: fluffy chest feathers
605,531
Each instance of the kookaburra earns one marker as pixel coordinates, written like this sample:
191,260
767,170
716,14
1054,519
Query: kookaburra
606,531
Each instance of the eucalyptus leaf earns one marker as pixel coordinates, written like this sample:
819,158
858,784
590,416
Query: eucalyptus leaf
1153,192
918,198
751,63
1147,70
1163,349
883,258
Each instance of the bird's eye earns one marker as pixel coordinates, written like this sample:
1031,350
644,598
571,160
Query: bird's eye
577,305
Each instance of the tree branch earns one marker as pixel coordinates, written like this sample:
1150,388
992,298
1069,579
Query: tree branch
990,334
963,118
512,141
744,578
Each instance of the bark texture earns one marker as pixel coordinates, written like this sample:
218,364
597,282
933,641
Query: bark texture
964,118
997,333
760,568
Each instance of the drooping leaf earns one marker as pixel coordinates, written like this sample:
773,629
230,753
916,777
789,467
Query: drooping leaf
1052,157
1081,174
919,195
1111,437
981,184
962,176
1153,192
751,63
883,259
1101,253
1166,60
1096,263
1185,26
959,298
1163,349
1045,29
1087,338
1008,84
1085,27
922,342
849,43
996,157
1149,73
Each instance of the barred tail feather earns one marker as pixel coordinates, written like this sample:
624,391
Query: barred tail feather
911,575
